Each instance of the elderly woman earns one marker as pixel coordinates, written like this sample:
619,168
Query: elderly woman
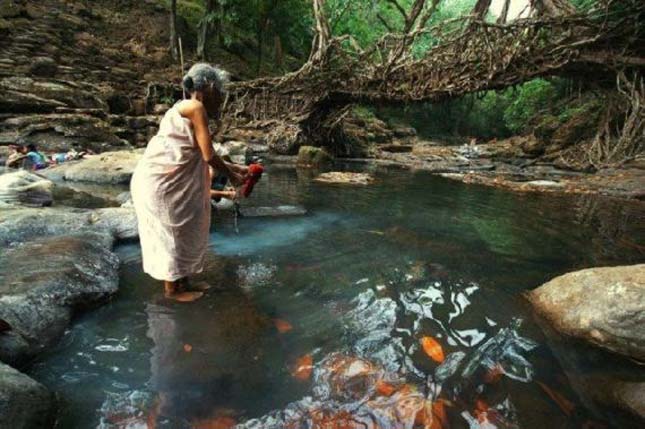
171,185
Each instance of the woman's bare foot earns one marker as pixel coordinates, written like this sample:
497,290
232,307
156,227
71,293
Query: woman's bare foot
184,296
177,292
189,286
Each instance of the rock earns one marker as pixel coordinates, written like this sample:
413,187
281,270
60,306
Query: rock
11,8
58,132
25,224
313,157
337,177
236,150
396,148
25,95
138,107
120,222
108,167
24,403
285,210
119,103
602,306
43,67
160,109
70,197
39,299
404,132
25,188
546,183
284,139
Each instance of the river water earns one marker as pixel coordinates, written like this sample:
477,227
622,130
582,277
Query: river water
385,304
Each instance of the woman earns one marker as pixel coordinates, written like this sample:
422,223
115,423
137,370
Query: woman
171,185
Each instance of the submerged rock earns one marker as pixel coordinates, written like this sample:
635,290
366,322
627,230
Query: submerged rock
277,211
345,178
45,281
24,403
25,188
602,306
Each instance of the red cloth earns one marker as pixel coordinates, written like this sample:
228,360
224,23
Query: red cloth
255,172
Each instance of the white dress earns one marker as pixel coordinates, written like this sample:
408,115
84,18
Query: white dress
170,192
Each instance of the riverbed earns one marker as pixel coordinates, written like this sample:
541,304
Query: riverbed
358,282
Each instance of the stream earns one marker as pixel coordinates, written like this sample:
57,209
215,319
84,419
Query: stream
395,305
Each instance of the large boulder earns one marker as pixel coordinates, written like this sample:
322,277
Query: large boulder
25,188
108,168
314,157
24,403
236,150
44,282
602,306
24,224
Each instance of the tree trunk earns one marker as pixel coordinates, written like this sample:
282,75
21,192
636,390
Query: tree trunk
204,28
278,50
503,16
174,44
481,8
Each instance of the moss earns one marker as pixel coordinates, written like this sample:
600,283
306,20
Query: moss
310,156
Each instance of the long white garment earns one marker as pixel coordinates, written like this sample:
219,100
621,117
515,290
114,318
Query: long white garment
170,192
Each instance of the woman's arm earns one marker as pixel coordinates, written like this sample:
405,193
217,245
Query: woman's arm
195,111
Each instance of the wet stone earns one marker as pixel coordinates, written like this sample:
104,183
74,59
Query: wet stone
38,300
24,403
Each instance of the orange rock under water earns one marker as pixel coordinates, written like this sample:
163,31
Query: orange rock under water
433,349
384,388
282,326
565,405
432,416
222,422
303,368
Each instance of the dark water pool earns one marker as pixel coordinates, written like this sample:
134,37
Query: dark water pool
354,289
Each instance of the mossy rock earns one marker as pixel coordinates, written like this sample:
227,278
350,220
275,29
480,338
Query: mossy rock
547,126
310,156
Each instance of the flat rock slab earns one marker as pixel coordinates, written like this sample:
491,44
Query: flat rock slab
602,306
108,167
338,177
44,281
273,211
24,224
24,403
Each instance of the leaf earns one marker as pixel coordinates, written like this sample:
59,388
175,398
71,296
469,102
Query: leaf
303,368
433,349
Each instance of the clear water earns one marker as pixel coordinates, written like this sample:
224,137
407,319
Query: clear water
360,280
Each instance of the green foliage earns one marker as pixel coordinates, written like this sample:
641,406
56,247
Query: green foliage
531,98
363,112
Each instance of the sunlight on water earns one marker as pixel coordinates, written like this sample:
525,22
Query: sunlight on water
393,306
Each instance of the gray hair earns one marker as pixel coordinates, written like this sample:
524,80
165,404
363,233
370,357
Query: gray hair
202,74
